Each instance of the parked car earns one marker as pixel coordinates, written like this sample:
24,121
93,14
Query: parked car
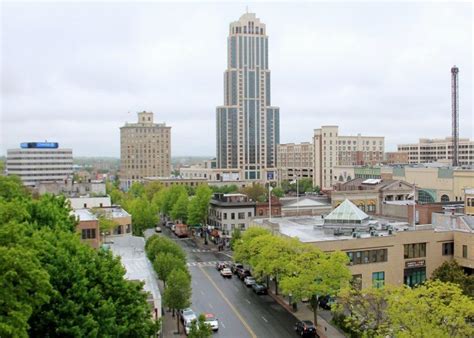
169,224
326,302
187,315
158,229
180,230
235,266
249,281
260,289
225,272
306,328
242,273
220,266
212,320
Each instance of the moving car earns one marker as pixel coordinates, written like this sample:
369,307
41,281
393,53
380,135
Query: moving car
158,229
225,272
242,273
306,328
212,320
249,281
187,315
220,266
260,289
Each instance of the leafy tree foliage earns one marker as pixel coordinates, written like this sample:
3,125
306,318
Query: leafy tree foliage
278,192
165,263
244,248
159,244
451,271
136,190
144,216
364,312
170,197
12,188
256,192
315,273
151,188
180,208
54,285
434,309
198,206
200,329
225,189
177,294
236,237
91,296
24,287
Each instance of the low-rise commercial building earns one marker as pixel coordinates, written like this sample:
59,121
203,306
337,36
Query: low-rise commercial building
228,212
36,162
88,202
434,150
382,253
88,227
169,181
469,201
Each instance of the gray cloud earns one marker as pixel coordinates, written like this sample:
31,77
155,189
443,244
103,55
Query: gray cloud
73,72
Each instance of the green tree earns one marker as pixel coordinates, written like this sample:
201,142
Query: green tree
364,312
11,187
180,208
225,189
255,192
136,190
91,296
52,212
278,192
177,295
199,204
159,244
275,256
434,309
244,249
24,288
165,263
144,216
315,273
236,236
200,329
451,271
151,188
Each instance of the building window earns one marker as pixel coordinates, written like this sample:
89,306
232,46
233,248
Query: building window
232,215
414,250
464,251
128,229
249,214
368,256
241,215
448,248
225,215
88,233
378,279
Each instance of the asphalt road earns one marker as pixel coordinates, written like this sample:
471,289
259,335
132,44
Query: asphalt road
240,311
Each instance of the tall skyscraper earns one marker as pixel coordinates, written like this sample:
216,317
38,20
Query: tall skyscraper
248,126
145,150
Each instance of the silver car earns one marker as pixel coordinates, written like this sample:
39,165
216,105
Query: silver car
188,315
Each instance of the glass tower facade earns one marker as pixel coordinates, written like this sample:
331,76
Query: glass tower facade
248,126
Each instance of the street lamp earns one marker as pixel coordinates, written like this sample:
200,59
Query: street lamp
270,188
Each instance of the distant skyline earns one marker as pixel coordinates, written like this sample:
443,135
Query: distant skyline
74,73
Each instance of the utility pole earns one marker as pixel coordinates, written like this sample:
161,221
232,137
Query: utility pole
455,114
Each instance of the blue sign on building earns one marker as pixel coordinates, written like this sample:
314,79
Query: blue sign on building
41,145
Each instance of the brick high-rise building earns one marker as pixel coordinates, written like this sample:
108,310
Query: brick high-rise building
145,150
295,161
248,126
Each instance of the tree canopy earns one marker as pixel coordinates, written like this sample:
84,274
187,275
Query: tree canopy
451,271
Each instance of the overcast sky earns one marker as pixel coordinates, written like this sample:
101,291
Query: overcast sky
74,73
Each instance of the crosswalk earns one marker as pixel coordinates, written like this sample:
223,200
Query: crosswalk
211,263
201,250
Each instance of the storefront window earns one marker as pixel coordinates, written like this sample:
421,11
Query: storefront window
414,276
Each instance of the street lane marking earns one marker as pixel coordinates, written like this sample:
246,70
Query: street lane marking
249,329
226,254
202,293
210,305
266,321
222,324
248,301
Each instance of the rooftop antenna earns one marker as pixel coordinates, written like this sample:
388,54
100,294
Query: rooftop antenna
455,114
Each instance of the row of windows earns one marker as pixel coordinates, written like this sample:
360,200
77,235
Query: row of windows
368,256
415,250
88,234
240,215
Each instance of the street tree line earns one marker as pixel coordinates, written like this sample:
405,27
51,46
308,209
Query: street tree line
302,271
169,263
146,201
54,285
437,308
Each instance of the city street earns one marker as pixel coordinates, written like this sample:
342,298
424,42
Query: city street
240,311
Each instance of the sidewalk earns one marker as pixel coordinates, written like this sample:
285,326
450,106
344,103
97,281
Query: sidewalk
168,323
304,312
